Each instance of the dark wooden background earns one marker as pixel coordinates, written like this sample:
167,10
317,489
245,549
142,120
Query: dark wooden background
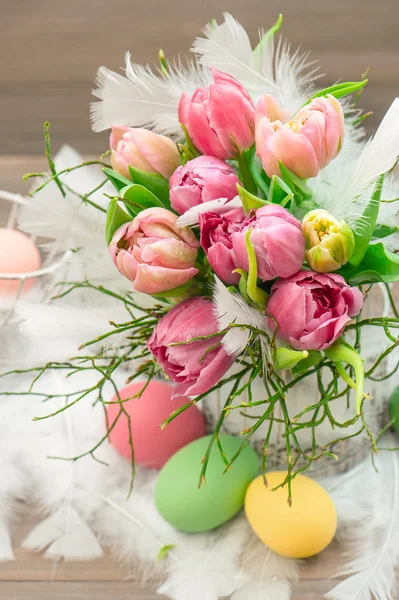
50,50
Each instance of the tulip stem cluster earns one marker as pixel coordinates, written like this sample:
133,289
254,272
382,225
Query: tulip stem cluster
132,350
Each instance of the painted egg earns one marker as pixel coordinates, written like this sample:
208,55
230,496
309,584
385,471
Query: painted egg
193,509
297,531
394,408
18,254
152,446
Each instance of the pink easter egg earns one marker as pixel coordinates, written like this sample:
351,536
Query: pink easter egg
18,254
152,446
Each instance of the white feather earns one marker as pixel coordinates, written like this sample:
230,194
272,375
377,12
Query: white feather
73,324
227,47
71,223
378,157
191,216
369,516
206,566
269,575
64,534
229,307
144,98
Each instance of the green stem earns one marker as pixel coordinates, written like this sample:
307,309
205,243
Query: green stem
247,179
340,352
345,376
49,158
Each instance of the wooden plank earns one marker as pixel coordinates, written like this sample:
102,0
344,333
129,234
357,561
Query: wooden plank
51,50
310,590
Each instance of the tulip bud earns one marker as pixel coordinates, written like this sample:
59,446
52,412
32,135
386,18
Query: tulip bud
286,358
219,118
144,150
329,243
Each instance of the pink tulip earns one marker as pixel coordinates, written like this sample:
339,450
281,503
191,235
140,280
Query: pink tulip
196,366
269,107
305,144
278,242
312,309
144,150
200,180
217,233
219,118
153,252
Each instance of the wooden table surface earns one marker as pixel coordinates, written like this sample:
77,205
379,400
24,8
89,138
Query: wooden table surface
31,577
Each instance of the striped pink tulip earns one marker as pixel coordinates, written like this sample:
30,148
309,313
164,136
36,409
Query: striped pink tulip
153,252
306,143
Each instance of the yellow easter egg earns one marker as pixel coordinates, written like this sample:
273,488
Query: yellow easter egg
299,531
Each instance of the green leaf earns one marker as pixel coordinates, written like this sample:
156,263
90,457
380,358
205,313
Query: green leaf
256,294
340,90
249,201
382,231
155,183
136,198
257,172
268,36
164,551
279,191
119,181
116,217
296,184
175,292
364,226
378,265
188,150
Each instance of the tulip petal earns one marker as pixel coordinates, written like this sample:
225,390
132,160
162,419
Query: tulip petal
232,115
159,151
221,260
120,165
288,307
155,280
324,336
293,149
116,136
169,253
126,264
208,376
201,133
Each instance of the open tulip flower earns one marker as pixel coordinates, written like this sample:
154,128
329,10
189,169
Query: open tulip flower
154,253
305,143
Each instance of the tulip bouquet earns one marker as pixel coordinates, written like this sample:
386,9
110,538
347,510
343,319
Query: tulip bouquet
247,207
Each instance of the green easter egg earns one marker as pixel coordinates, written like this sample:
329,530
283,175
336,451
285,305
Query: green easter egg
394,407
190,509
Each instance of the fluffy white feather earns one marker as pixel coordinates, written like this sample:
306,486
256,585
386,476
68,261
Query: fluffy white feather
191,216
269,575
73,324
378,157
71,223
229,307
64,534
207,566
227,47
144,98
369,515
